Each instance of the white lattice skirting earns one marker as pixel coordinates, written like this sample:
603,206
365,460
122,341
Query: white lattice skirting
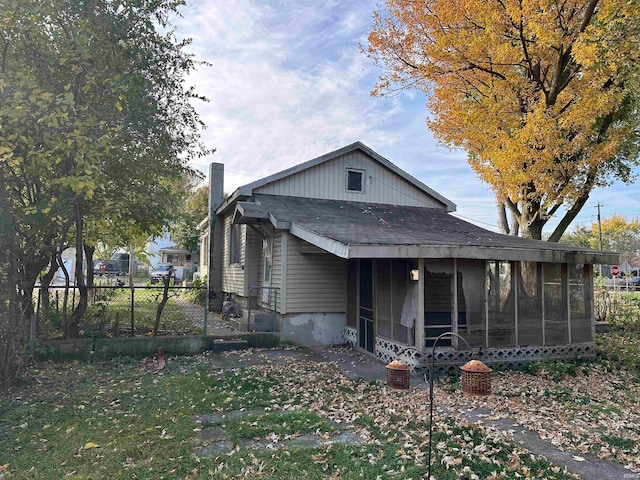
448,359
350,336
388,351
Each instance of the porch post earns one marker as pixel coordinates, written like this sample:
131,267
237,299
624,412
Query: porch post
485,290
542,312
420,308
566,297
587,285
454,307
515,285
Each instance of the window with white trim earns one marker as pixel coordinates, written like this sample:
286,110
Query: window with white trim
355,180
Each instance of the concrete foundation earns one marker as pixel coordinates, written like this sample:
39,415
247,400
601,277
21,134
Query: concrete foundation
313,328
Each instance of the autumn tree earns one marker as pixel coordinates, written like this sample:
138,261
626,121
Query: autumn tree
97,126
618,235
543,95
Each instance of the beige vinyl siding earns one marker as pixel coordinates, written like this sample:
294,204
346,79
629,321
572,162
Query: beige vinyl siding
316,282
233,274
329,180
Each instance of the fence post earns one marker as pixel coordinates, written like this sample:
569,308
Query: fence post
132,312
206,309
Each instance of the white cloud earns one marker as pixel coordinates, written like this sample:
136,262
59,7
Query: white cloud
288,83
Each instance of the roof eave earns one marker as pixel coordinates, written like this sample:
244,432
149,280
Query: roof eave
481,253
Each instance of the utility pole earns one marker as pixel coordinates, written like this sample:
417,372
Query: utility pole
599,233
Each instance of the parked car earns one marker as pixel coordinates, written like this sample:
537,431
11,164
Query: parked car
163,270
106,267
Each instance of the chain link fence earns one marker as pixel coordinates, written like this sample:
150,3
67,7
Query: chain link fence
115,311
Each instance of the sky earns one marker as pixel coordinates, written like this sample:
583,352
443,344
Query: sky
287,82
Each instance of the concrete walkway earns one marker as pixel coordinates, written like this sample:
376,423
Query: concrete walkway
358,365
215,324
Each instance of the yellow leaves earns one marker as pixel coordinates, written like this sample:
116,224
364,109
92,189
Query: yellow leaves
502,85
90,445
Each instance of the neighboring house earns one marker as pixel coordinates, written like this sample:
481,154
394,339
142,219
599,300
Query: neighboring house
175,255
164,250
347,247
153,247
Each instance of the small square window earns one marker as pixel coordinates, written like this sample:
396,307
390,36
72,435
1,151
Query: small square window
355,181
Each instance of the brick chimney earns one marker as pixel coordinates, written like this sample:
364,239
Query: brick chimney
216,234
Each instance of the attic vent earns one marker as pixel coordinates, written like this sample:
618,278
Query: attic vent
355,180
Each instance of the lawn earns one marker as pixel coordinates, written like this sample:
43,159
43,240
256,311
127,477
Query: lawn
303,420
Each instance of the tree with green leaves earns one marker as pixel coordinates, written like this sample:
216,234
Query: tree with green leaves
97,128
618,235
193,211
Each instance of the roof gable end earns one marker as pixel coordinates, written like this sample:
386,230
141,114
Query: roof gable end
249,189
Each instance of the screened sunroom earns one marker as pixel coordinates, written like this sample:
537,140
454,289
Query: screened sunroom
514,310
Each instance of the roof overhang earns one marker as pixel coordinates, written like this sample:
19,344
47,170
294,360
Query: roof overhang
480,253
339,228
173,250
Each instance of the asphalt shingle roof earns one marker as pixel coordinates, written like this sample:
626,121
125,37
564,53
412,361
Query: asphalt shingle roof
359,223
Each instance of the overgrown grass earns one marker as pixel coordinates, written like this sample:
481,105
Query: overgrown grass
116,420
620,348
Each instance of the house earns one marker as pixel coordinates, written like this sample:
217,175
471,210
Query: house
347,247
177,256
163,250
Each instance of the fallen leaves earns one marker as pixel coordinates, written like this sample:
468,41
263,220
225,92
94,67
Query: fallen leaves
596,411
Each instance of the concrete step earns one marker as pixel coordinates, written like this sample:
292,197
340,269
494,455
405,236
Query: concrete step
227,345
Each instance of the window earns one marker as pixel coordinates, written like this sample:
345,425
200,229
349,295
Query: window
235,244
355,180
266,248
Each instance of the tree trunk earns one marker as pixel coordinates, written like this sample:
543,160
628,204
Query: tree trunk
83,301
88,255
531,229
64,321
45,283
503,223
165,297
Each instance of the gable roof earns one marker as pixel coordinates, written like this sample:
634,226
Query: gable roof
363,230
248,190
